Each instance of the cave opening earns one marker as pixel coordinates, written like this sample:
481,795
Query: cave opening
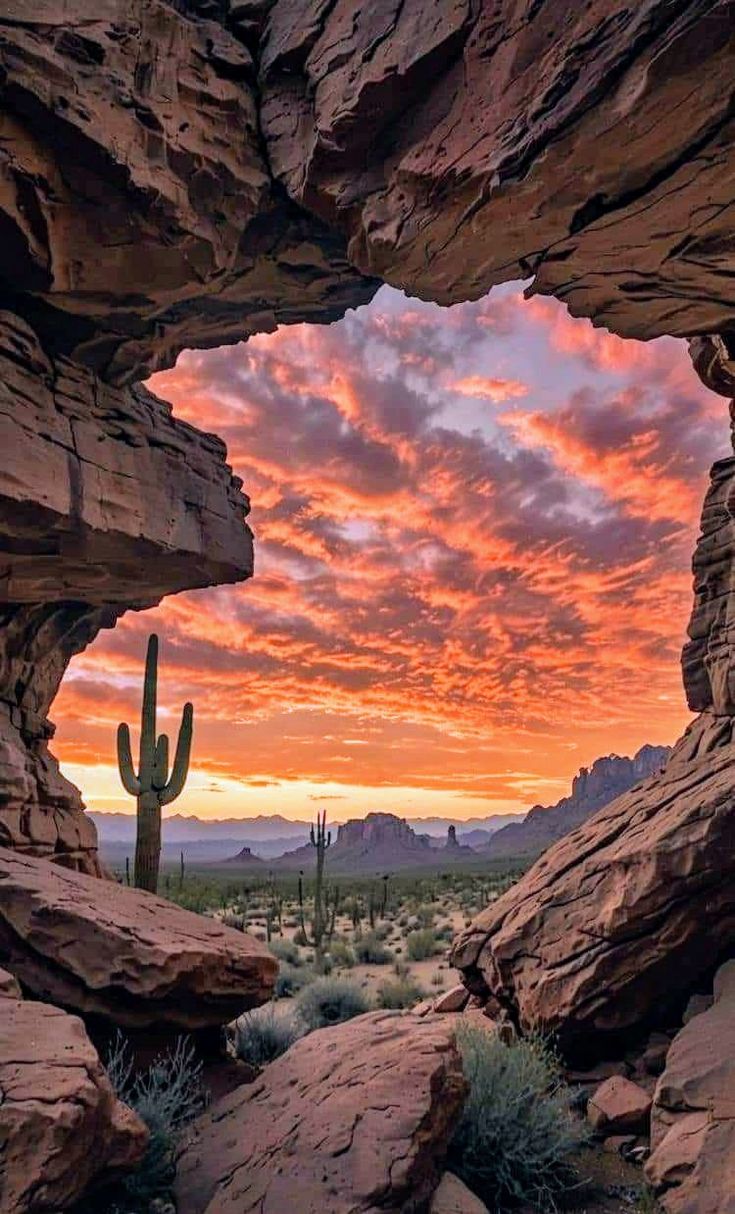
473,534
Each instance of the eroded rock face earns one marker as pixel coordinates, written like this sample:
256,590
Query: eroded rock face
97,947
621,916
707,663
693,1123
353,1119
460,145
106,502
61,1125
190,172
138,211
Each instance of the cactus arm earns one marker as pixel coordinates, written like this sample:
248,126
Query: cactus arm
130,781
148,715
160,764
180,769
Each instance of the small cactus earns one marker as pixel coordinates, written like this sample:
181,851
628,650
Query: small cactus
152,786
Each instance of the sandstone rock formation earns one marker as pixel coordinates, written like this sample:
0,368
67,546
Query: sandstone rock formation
693,1125
592,788
620,917
61,1125
190,173
106,502
619,1106
354,1118
100,948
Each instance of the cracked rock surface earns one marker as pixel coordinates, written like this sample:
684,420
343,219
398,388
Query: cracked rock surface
625,912
693,1123
353,1119
61,1125
97,947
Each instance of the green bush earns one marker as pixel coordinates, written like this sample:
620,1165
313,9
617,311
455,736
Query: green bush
264,1034
399,993
331,1001
341,954
425,916
516,1135
421,944
292,979
286,950
371,951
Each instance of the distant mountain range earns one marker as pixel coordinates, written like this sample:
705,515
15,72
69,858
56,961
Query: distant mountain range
593,788
209,839
384,841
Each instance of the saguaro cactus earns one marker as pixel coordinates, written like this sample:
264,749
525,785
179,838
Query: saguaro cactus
152,786
321,926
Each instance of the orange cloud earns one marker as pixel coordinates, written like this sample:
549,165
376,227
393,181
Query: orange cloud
507,593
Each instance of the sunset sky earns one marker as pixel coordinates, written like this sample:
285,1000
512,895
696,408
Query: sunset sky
473,539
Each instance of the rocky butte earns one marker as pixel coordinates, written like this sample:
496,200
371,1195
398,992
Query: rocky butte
188,174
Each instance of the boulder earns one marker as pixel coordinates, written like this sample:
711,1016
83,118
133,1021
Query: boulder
692,1164
351,1118
96,947
61,1125
619,1106
453,1197
638,901
9,987
454,1000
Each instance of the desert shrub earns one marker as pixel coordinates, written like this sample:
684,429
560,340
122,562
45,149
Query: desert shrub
331,1001
341,954
167,1095
264,1034
231,919
371,951
421,944
286,950
516,1135
425,916
437,980
292,979
299,937
399,993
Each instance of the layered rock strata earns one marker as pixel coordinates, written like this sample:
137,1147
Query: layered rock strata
353,1118
106,502
103,949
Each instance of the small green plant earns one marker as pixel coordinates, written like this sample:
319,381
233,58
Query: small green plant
371,951
264,1034
286,950
516,1135
341,954
421,944
291,979
399,993
166,1096
330,1001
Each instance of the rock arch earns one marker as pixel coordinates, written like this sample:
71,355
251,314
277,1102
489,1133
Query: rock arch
189,172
